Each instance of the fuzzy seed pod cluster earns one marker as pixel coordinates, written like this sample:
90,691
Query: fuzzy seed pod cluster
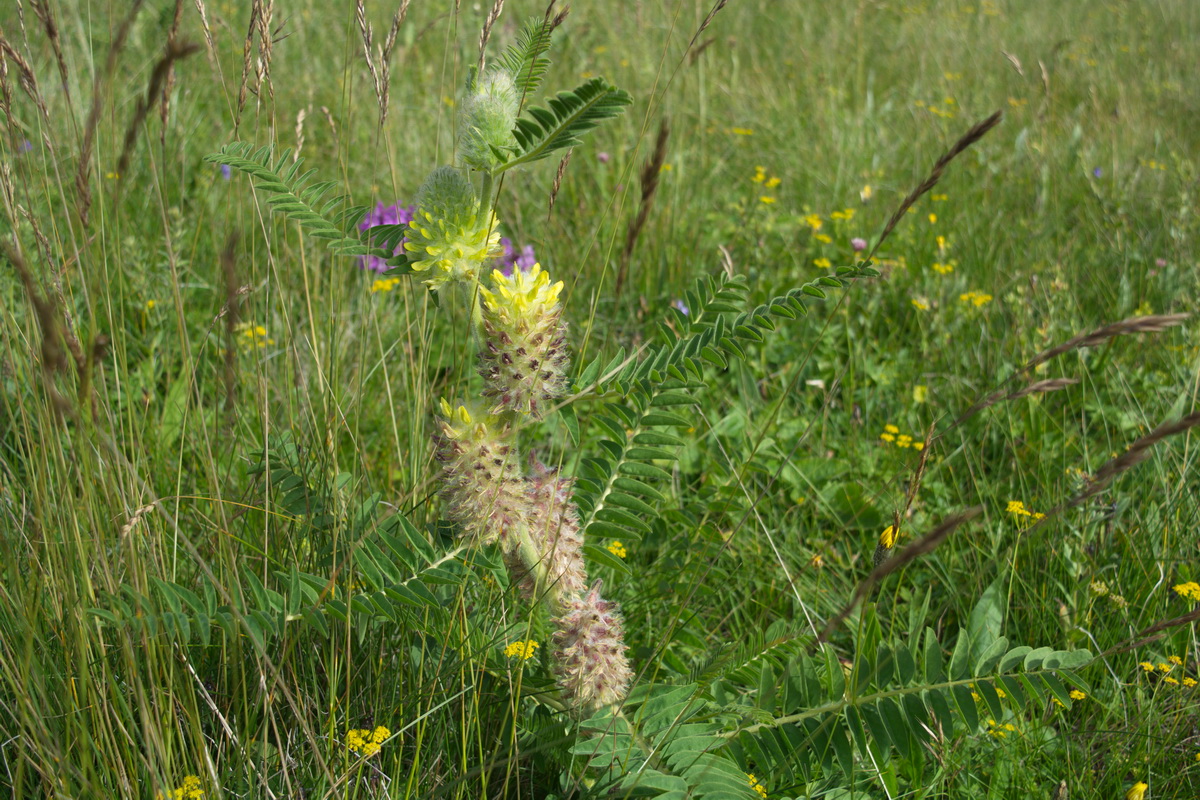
554,529
589,652
482,483
449,239
524,358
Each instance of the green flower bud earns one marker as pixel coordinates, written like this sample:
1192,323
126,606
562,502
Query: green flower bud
448,238
489,114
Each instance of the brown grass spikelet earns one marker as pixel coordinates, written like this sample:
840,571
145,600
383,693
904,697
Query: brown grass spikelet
486,33
558,177
154,92
973,135
649,181
83,173
1041,387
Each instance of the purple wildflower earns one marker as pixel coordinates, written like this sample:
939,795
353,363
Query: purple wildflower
1160,262
1097,172
858,244
25,146
681,307
510,258
226,171
603,157
394,214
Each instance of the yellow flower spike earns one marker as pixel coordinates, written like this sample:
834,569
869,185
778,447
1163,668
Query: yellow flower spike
888,537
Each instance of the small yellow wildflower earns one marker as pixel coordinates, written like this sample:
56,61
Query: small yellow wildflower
188,790
150,304
823,263
887,437
920,393
904,440
1164,668
617,549
1146,666
817,561
920,303
939,198
846,214
251,335
766,199
773,181
887,539
1137,791
932,219
823,238
1171,681
1189,682
918,445
384,285
866,193
977,298
1000,693
1075,694
813,221
742,131
760,174
943,268
1176,660
942,244
666,168
366,742
522,650
891,429
1189,590
756,785
1000,731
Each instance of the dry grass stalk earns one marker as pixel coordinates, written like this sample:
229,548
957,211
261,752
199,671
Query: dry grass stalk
1152,633
385,59
558,176
694,55
232,313
379,59
1152,324
1037,387
68,331
53,360
976,132
42,10
649,180
26,76
926,544
208,37
716,9
258,31
134,519
158,78
301,115
82,175
6,98
164,104
1133,455
486,33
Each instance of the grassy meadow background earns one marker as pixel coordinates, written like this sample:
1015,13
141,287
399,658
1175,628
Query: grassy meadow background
219,396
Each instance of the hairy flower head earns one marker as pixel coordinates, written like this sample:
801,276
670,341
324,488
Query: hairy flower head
555,532
482,485
524,359
448,238
589,653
